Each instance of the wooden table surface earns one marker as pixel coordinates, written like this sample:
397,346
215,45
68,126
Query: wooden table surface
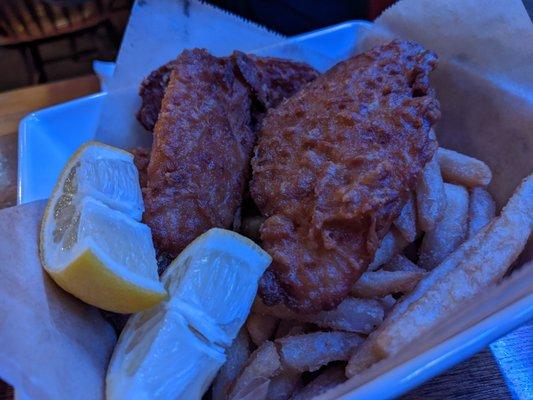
14,105
476,378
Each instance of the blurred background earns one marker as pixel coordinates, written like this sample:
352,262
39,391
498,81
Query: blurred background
49,40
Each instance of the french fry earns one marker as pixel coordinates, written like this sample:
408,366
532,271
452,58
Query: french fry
352,315
449,232
462,169
261,327
258,391
382,283
363,357
263,364
430,196
329,378
282,386
237,355
311,351
289,327
406,221
475,265
387,302
402,263
481,210
393,242
251,227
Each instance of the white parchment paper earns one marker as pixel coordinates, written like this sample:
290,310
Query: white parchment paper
52,346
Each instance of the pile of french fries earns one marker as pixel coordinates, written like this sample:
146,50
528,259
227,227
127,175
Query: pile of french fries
444,248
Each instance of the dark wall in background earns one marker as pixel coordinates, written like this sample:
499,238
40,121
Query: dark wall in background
288,17
291,17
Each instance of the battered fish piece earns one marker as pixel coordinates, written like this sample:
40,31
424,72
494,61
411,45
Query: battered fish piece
200,155
203,139
269,79
334,166
152,91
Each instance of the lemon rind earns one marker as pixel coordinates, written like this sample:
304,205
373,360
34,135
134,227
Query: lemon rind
88,277
128,276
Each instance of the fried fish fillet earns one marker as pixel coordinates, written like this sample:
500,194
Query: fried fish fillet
152,91
269,79
333,167
200,154
203,139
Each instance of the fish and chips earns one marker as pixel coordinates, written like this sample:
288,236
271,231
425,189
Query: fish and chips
376,233
362,234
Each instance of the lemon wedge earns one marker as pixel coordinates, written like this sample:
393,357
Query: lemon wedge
174,350
92,243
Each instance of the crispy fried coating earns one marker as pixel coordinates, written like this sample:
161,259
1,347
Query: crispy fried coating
333,167
152,90
201,151
141,159
269,79
203,139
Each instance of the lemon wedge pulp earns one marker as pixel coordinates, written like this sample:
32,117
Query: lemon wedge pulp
92,243
174,350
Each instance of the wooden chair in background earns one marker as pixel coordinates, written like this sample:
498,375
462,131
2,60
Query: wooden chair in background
27,24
